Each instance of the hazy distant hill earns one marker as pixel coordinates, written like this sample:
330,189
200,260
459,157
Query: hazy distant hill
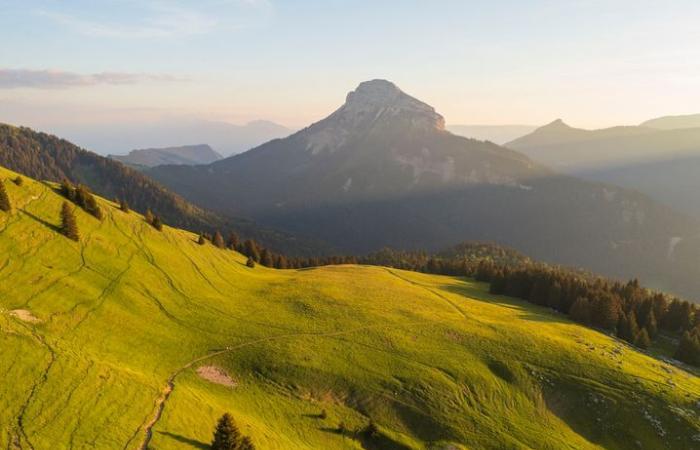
383,171
498,134
224,138
674,122
661,163
561,146
188,155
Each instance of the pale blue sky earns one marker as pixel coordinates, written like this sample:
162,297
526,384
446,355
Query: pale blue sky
594,63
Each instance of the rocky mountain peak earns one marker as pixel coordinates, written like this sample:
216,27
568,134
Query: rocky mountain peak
556,125
382,100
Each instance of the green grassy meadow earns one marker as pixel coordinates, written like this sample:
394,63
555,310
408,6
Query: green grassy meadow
91,333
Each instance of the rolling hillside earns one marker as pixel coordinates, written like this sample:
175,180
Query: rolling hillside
135,338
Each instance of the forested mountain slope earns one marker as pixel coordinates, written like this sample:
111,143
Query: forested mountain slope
46,157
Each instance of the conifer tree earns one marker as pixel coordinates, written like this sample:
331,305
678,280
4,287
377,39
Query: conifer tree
201,240
69,225
124,206
554,295
67,190
605,313
233,241
246,444
651,326
5,204
218,240
688,349
581,311
250,263
642,339
148,217
251,250
266,258
157,223
281,262
227,435
92,207
628,328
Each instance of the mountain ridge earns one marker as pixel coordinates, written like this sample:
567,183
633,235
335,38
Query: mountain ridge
185,154
655,161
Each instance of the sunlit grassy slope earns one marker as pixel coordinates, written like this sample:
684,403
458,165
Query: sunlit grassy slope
432,360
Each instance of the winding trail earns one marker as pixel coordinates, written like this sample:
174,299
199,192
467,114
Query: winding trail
437,294
37,384
147,428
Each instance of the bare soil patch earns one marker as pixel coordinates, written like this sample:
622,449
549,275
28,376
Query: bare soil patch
25,315
216,375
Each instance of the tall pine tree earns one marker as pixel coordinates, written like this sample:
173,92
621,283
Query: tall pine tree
218,240
266,258
157,223
233,241
227,436
5,204
251,250
246,444
69,225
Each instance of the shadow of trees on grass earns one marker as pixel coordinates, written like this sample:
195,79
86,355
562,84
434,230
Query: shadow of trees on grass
186,440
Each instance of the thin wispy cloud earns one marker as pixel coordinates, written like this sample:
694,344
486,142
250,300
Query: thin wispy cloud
158,19
56,79
165,24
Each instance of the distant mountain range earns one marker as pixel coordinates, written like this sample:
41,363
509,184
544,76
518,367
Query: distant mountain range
674,122
498,134
383,171
188,155
224,138
662,162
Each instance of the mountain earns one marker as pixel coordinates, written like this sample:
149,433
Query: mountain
225,138
674,122
48,157
133,338
499,134
383,171
188,155
661,163
567,148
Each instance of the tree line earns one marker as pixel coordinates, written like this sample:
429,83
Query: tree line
634,313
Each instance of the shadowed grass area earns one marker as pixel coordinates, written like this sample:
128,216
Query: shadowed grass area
127,315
